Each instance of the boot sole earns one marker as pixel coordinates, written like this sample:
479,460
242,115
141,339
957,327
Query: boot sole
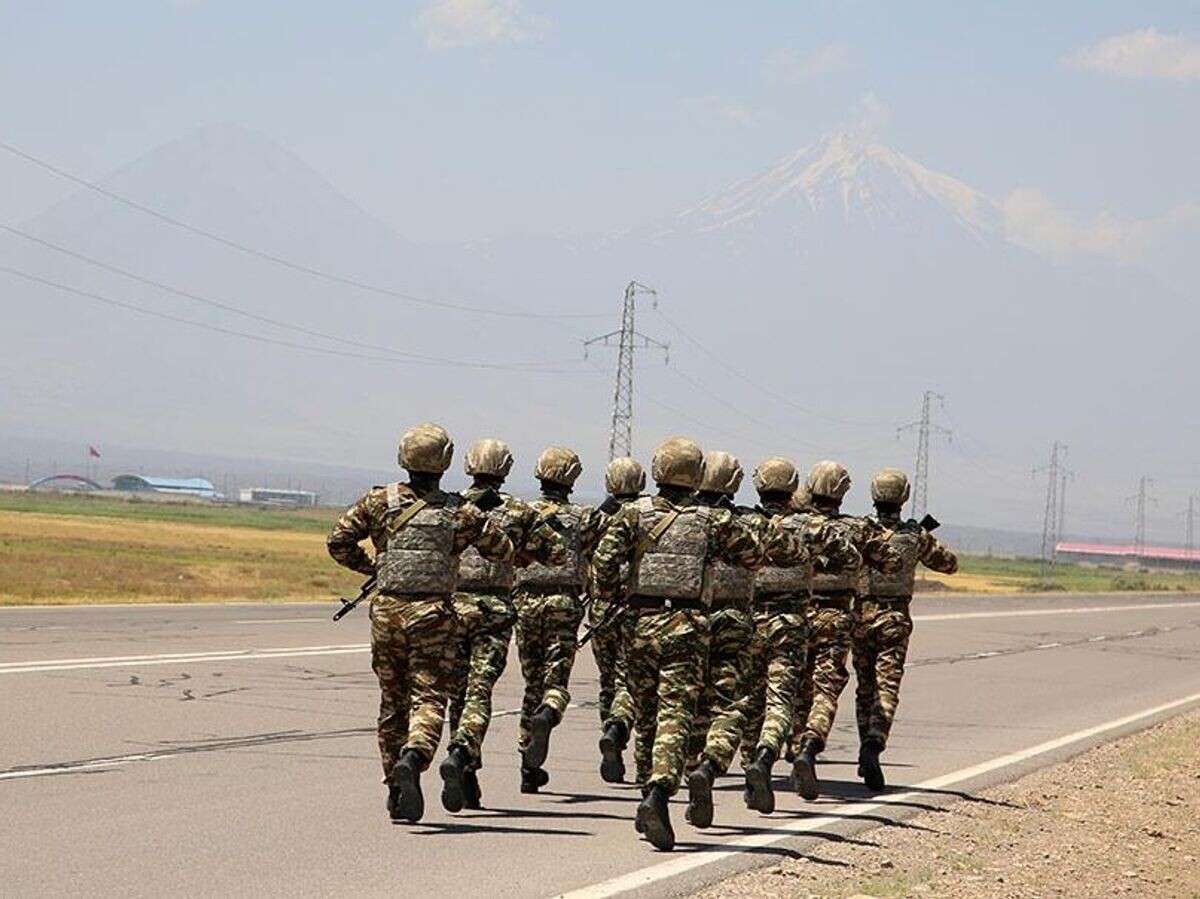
761,796
872,776
700,802
612,765
804,778
658,832
411,804
453,794
539,743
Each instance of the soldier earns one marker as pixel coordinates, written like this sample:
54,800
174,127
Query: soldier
549,608
624,479
721,712
781,600
483,604
882,623
831,619
418,532
668,542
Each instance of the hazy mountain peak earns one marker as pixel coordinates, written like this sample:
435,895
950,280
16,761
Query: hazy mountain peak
849,177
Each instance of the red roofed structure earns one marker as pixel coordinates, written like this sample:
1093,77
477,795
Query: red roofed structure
1117,553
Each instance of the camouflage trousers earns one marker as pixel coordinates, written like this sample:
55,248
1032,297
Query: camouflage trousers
664,667
414,647
879,647
547,627
825,675
777,652
608,648
721,712
486,622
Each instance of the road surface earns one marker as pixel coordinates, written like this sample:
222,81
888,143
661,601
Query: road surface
229,750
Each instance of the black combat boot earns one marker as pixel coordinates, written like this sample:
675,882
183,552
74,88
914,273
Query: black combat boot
406,777
472,795
639,819
533,779
804,771
869,768
656,819
454,770
544,720
612,745
760,795
700,801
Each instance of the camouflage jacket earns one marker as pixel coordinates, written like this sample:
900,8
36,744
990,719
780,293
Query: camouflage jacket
578,542
868,538
533,539
823,543
916,546
369,516
730,539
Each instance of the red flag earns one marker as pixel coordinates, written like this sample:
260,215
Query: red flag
93,453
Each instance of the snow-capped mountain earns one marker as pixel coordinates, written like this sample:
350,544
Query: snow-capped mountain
843,178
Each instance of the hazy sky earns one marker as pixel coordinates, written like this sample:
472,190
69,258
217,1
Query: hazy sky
530,117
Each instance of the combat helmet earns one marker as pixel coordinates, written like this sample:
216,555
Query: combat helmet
678,462
558,465
776,475
488,457
427,448
829,480
890,485
722,473
624,476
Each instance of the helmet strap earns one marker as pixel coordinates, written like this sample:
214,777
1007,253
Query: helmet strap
423,482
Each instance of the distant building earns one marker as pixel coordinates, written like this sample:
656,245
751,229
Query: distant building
136,483
1122,554
74,482
275,497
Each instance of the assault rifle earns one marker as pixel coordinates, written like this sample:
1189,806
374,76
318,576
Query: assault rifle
611,615
349,604
930,523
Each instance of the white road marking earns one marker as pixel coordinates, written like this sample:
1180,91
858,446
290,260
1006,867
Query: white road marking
681,864
179,658
277,620
1077,610
1048,645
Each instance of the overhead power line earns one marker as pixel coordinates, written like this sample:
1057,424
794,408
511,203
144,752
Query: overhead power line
281,260
925,426
254,316
258,338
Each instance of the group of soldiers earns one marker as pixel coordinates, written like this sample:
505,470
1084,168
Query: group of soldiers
718,630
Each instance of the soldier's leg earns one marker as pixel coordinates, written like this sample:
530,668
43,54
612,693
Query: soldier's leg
433,644
893,633
531,654
489,655
389,659
684,637
756,693
468,618
606,644
863,653
804,689
830,675
705,705
641,676
786,647
727,687
562,616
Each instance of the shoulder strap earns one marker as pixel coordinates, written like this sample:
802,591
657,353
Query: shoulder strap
656,532
549,512
408,514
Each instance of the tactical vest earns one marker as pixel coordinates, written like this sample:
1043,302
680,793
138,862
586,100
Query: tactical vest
905,538
419,557
572,573
477,573
673,566
796,579
846,580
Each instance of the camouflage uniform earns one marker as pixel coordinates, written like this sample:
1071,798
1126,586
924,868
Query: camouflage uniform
549,608
667,634
484,607
608,646
414,635
882,624
831,621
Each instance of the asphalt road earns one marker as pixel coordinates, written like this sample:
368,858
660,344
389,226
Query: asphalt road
228,751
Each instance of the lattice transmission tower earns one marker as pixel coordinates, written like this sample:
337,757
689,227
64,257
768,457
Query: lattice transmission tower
627,340
1056,485
924,427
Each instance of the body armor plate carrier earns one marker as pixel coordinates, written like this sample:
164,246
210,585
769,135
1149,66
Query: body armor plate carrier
419,558
672,566
477,573
775,580
572,573
905,538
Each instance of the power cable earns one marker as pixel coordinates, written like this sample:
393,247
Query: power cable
431,360
280,260
254,316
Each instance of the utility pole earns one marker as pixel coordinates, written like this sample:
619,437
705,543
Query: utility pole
1140,499
1062,510
1051,517
925,426
627,340
1190,516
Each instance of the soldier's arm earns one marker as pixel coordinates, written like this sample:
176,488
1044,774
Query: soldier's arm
936,556
351,529
615,547
737,541
593,525
782,547
877,550
474,528
833,548
541,542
